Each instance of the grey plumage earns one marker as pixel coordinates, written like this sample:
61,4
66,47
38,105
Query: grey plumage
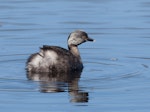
54,59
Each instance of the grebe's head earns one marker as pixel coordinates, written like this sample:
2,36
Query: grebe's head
78,37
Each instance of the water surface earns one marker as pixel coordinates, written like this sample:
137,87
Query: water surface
116,66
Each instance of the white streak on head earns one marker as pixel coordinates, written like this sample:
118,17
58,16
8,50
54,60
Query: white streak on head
75,39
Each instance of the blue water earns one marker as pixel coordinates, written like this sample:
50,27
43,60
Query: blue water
116,75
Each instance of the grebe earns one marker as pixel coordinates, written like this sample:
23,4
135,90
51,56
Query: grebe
54,59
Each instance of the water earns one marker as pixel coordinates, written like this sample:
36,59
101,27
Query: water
116,67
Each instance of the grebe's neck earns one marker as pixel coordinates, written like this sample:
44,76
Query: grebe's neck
74,50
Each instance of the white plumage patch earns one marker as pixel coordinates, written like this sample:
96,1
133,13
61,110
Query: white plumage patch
49,58
52,56
43,60
35,61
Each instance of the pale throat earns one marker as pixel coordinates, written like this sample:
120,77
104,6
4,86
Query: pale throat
74,50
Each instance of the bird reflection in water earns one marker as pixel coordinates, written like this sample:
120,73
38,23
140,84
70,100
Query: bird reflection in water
60,82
